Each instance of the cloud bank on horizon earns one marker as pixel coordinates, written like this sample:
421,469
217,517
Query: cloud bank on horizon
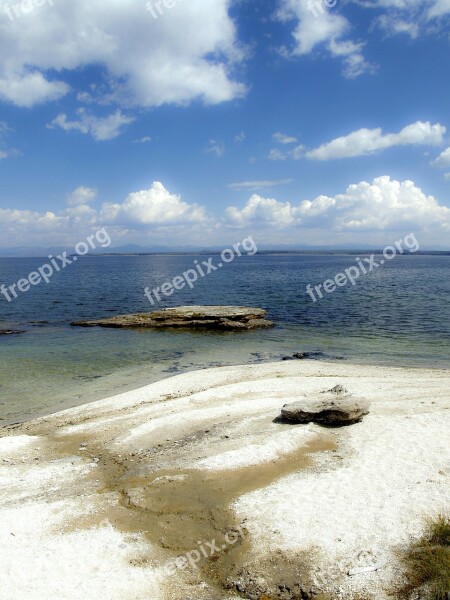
365,208
290,99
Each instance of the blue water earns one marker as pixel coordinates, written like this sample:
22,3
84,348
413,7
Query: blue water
398,314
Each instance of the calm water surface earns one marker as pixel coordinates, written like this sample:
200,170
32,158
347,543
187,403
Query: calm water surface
397,315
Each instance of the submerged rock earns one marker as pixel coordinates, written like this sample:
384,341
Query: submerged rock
11,332
336,407
312,356
232,318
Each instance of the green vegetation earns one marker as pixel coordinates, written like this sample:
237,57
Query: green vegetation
427,564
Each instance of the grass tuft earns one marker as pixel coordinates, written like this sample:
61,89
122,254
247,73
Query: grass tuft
427,564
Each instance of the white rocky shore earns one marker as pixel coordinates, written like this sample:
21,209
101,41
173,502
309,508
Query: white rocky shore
98,502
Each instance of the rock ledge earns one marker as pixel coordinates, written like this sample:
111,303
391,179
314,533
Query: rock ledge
231,318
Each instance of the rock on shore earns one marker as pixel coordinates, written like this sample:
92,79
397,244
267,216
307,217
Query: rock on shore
334,407
231,318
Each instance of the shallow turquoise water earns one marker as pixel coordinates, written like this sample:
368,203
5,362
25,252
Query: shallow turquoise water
399,314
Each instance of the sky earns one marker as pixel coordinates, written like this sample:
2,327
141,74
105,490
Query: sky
201,122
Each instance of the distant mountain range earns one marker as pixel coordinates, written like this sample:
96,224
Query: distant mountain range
42,252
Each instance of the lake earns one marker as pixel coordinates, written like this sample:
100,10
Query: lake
399,314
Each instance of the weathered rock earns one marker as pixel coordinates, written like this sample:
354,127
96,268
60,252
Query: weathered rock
337,408
232,318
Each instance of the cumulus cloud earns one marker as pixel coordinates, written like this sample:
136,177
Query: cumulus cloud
154,211
146,62
26,88
262,211
443,160
321,27
82,195
154,207
101,128
26,227
365,212
368,141
383,205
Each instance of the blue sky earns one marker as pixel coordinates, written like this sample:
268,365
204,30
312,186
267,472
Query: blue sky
296,121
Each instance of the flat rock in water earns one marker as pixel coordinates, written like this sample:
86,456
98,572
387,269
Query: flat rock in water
331,409
232,318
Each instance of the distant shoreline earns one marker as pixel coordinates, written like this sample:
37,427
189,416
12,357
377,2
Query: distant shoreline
261,253
273,253
215,252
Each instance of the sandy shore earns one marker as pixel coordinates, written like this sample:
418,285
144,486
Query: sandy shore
99,501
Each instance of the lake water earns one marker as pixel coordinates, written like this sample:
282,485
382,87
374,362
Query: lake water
397,315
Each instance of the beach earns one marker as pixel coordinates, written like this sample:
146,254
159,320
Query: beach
119,498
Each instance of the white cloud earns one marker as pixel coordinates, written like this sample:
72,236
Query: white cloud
296,153
368,141
239,138
146,61
258,185
281,138
395,26
215,147
365,213
263,211
447,176
26,227
82,195
411,17
101,128
26,88
153,207
443,160
316,27
321,28
143,140
277,154
154,212
4,131
438,8
383,205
